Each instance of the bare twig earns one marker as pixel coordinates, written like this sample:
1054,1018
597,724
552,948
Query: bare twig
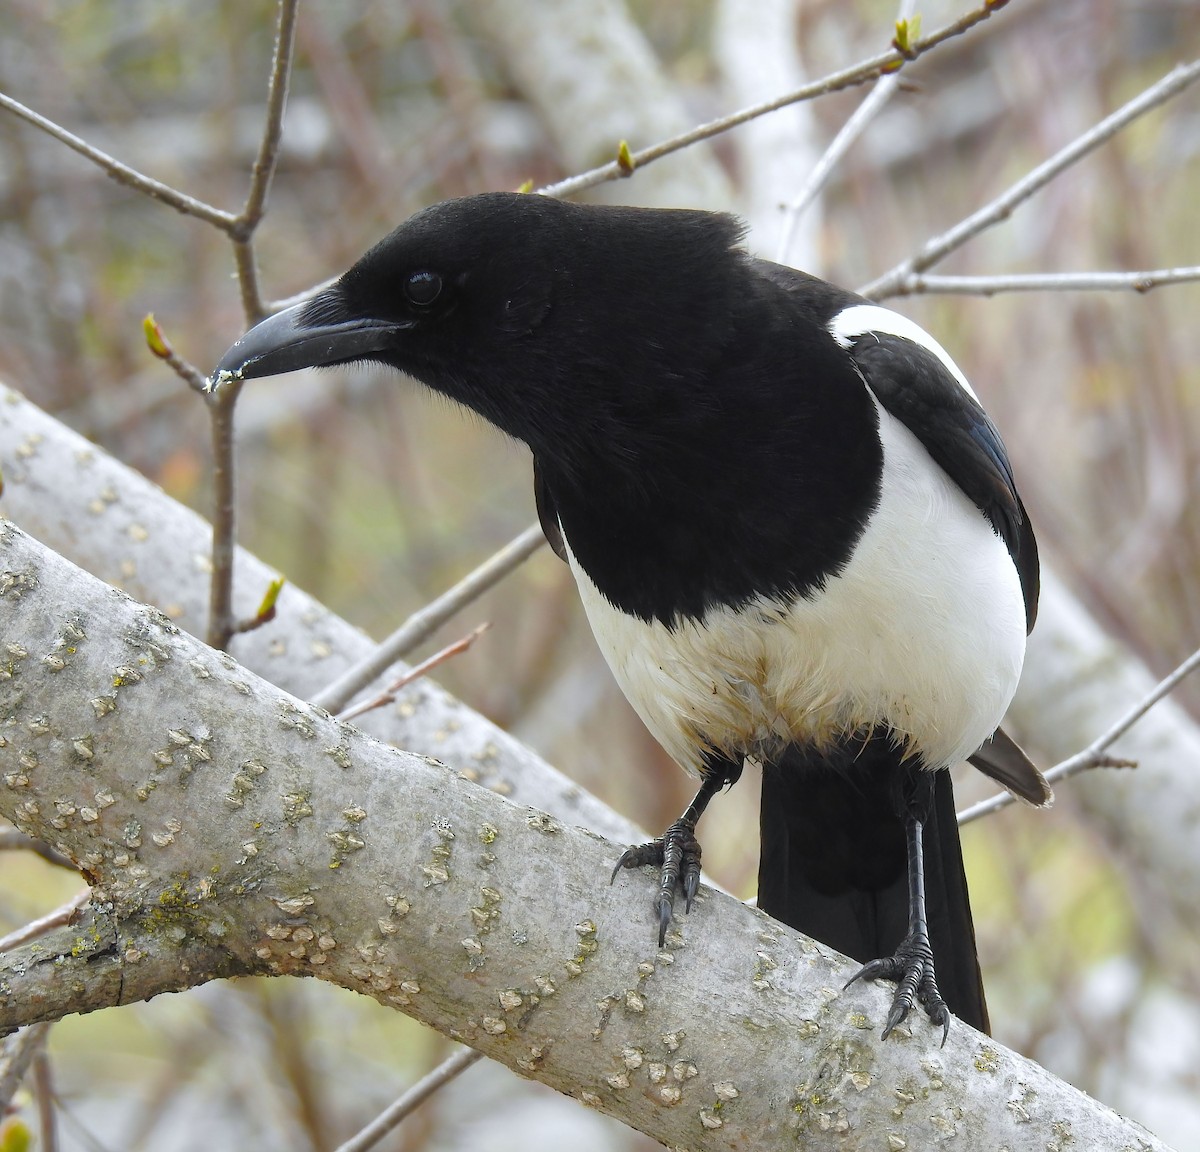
1002,206
906,279
300,297
916,282
242,230
11,840
862,73
417,1094
82,1133
44,924
43,1091
221,624
853,128
16,1054
423,623
162,348
268,149
1095,754
388,695
122,173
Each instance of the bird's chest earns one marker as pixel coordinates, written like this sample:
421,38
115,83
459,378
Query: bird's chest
700,686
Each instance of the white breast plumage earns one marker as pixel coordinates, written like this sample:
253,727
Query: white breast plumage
923,631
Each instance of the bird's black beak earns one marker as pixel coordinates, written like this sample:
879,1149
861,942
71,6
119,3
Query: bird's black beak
288,341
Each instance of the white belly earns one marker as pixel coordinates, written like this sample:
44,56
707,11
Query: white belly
923,632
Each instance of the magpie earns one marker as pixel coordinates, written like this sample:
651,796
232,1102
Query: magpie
794,530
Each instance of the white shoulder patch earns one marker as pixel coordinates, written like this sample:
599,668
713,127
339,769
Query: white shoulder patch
859,319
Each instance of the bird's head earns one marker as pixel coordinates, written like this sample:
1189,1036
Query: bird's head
528,310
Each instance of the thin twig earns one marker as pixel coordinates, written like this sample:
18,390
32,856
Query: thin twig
917,282
388,695
264,164
417,1094
122,173
273,306
1095,754
82,1133
423,623
849,132
221,624
43,924
16,1054
1002,206
161,347
268,148
861,73
905,279
43,1091
13,841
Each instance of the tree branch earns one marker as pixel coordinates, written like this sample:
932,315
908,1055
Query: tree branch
426,621
1002,206
916,283
1094,755
13,841
221,620
16,1054
122,173
1076,679
420,1092
112,521
230,829
247,221
389,694
44,924
862,73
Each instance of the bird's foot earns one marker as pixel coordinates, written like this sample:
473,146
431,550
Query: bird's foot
912,969
677,855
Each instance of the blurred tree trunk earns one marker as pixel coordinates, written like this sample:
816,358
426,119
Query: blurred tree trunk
588,70
1077,682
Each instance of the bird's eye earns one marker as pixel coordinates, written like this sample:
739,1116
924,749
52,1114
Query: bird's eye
423,288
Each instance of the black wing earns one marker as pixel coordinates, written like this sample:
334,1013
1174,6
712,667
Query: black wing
913,383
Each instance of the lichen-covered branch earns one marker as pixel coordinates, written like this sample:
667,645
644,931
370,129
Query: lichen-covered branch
227,828
110,520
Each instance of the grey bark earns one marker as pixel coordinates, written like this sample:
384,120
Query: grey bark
228,828
113,522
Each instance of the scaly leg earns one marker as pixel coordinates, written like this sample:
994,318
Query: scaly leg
912,965
677,851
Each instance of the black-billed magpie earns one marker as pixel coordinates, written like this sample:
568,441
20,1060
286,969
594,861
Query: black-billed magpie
794,530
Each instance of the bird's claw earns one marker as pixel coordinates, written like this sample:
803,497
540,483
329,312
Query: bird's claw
912,969
677,856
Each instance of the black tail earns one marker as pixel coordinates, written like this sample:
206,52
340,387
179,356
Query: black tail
833,862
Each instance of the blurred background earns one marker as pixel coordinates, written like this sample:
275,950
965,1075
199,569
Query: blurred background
374,496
